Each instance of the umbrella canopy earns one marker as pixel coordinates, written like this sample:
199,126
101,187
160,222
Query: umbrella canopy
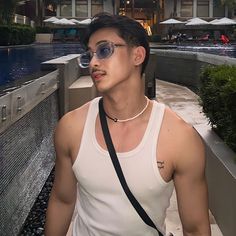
75,21
213,21
223,21
85,22
197,21
51,19
171,22
63,21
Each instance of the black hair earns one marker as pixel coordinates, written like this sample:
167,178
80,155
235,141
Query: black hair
128,29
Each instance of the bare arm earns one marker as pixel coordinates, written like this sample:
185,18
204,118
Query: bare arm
190,183
63,195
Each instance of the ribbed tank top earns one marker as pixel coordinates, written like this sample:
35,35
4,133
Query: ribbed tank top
102,208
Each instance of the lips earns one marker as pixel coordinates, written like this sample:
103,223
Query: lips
97,75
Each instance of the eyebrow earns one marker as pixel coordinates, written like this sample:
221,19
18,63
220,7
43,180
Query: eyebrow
99,42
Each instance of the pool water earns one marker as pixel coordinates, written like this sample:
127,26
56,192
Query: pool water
220,50
19,62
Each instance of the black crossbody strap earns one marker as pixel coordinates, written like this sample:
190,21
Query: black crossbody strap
119,172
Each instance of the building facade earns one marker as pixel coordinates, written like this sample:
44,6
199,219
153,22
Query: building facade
148,11
197,8
78,8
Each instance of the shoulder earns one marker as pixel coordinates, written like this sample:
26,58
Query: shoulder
70,127
186,143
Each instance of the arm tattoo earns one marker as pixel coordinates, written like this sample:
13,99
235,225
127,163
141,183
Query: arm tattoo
160,164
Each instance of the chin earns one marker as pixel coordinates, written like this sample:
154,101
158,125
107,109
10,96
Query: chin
101,89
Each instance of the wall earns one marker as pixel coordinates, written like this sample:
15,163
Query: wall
27,153
69,72
221,178
28,116
180,66
44,38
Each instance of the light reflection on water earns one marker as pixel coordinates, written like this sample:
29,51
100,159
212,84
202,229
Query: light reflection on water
18,62
221,50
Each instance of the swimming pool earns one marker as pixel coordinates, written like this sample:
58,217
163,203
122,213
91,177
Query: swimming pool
23,61
220,50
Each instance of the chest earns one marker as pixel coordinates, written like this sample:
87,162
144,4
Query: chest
124,137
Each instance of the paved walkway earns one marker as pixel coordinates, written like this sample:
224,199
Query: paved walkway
185,103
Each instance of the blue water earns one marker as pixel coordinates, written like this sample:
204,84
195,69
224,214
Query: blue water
19,62
221,50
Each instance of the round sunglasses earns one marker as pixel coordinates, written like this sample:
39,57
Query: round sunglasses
103,51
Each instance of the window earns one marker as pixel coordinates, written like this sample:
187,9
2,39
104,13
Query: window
50,8
97,6
66,8
81,8
203,8
186,8
218,10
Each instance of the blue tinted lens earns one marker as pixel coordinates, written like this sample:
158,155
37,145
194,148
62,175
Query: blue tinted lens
104,50
85,59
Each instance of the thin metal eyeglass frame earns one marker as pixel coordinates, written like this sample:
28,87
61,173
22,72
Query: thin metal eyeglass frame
112,46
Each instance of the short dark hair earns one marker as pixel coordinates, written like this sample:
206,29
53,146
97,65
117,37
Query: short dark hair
128,29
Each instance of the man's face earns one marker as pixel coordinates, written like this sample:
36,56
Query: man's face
112,59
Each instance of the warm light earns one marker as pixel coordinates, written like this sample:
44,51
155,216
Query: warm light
127,2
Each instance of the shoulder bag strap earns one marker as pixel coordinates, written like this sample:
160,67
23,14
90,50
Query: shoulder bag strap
141,212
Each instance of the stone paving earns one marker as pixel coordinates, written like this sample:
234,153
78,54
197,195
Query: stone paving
186,104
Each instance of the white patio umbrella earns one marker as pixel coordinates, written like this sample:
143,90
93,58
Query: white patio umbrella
85,22
213,21
63,21
224,21
75,21
196,21
51,19
171,21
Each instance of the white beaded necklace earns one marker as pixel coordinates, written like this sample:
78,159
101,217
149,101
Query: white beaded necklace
132,118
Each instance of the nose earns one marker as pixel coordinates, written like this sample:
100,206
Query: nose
94,61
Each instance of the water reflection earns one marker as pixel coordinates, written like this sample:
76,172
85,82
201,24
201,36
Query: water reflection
221,50
18,62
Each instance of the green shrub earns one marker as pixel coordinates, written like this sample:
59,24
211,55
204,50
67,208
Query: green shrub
16,34
5,32
43,30
218,95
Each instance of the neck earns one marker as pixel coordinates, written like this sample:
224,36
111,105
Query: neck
124,110
130,118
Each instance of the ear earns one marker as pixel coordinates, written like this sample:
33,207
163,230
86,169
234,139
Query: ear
139,55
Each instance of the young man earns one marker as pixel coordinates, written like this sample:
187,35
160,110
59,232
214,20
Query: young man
156,149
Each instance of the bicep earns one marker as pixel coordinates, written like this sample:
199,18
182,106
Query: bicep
64,186
191,187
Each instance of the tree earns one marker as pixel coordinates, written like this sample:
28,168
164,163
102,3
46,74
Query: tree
229,3
7,11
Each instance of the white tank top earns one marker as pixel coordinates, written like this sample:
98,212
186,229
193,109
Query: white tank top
102,208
